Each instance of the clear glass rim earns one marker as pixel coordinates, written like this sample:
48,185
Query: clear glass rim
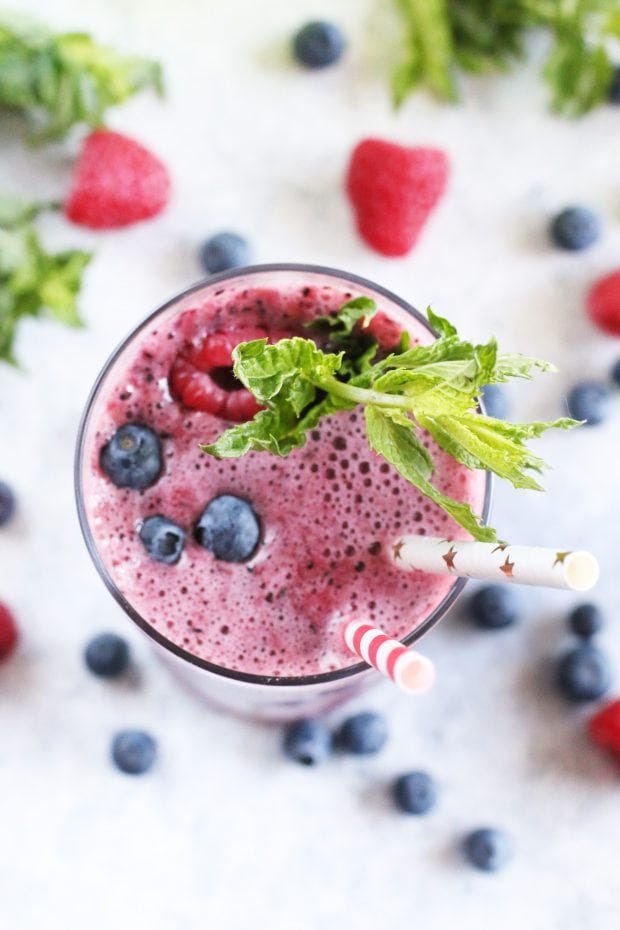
272,681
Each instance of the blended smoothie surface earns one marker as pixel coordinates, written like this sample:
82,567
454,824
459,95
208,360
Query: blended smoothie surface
328,512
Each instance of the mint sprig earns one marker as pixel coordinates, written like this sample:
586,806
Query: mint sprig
433,388
67,79
32,280
441,37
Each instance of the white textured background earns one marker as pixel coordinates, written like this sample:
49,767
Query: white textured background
226,834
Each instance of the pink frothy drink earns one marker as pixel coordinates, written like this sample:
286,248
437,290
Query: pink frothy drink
262,636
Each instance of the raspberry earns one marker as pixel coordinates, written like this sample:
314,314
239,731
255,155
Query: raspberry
116,182
604,728
387,332
604,303
393,190
8,632
201,376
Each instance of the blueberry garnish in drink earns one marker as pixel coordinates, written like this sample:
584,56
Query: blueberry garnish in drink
415,793
134,751
584,674
162,539
308,742
363,734
229,527
488,849
107,655
132,458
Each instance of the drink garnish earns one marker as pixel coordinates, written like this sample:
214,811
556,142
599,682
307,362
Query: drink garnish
422,388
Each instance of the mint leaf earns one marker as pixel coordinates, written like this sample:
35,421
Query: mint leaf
402,449
439,37
428,387
63,80
31,279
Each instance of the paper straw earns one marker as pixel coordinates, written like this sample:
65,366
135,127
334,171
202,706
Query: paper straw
551,568
409,670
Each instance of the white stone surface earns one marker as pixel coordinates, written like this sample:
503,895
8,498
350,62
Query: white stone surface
225,833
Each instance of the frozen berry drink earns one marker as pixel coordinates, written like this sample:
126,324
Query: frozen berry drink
243,571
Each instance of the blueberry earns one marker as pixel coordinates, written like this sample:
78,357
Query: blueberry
134,751
584,674
613,94
318,44
229,527
488,849
163,539
494,607
223,251
132,458
495,401
415,793
7,504
586,620
307,742
575,228
615,373
363,734
107,655
588,401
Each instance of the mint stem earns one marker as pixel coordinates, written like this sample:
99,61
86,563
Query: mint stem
364,395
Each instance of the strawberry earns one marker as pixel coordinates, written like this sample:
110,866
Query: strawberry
116,182
201,376
604,303
604,728
8,631
393,189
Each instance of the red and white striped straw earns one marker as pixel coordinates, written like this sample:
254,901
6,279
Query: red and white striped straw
409,670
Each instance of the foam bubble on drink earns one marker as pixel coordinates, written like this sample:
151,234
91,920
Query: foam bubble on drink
328,511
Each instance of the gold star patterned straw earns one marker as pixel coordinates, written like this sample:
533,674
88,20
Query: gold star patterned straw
551,568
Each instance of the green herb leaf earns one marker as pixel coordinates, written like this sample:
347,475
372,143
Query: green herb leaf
485,36
404,450
31,279
63,80
430,387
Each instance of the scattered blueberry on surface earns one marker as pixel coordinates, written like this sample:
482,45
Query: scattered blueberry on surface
162,539
613,94
8,632
318,44
415,793
488,849
615,373
495,401
132,458
308,742
107,655
229,527
586,620
588,401
584,674
363,734
134,751
223,251
7,503
494,607
575,228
